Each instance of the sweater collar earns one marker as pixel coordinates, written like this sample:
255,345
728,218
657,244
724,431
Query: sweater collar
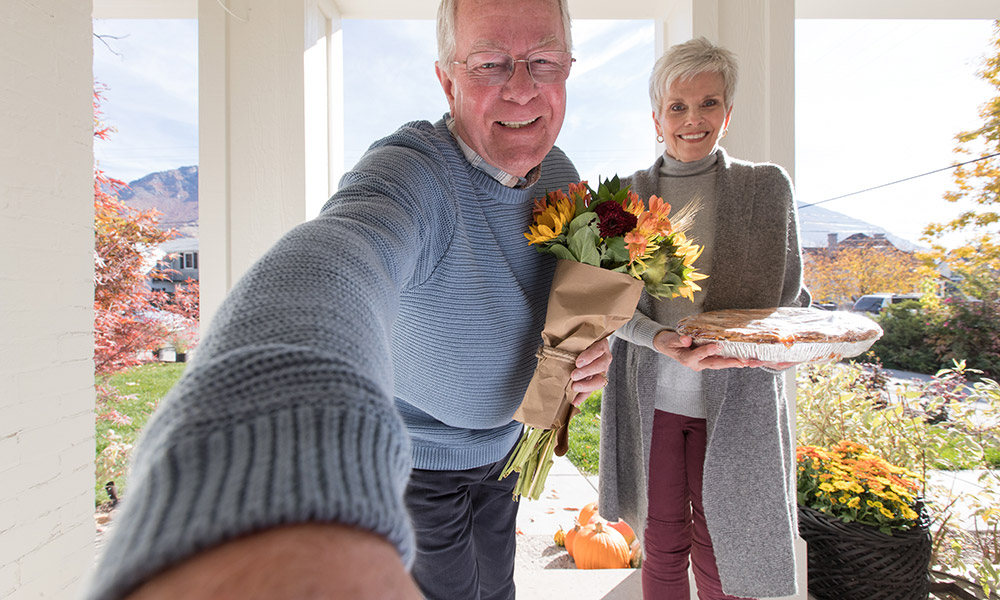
474,158
671,167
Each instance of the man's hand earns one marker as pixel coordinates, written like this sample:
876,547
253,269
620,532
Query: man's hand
699,358
591,372
296,562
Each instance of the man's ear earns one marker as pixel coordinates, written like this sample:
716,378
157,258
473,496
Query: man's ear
447,84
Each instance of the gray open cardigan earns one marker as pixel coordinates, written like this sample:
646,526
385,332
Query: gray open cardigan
749,476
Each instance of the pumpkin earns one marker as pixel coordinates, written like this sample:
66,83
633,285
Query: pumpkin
635,554
586,514
626,531
570,537
600,547
560,537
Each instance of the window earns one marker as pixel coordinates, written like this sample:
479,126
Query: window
190,260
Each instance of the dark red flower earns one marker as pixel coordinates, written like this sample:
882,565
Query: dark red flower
614,220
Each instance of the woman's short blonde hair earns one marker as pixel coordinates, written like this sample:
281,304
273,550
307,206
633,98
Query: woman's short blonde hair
691,58
446,30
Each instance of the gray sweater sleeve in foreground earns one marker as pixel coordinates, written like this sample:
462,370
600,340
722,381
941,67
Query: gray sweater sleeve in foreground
285,415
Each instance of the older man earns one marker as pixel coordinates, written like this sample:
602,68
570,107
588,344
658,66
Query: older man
382,347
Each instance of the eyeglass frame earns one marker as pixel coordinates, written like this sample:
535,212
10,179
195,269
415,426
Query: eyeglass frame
513,65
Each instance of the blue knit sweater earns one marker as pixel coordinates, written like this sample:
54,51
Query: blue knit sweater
414,283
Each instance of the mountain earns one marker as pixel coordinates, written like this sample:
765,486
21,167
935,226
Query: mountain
173,193
816,223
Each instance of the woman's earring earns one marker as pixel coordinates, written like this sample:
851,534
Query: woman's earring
660,139
724,132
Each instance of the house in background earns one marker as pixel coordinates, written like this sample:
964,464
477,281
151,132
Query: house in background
876,241
178,261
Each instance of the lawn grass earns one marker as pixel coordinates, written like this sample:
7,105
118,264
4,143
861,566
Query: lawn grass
122,416
585,435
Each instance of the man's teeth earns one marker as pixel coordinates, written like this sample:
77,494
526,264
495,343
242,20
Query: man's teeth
517,124
693,136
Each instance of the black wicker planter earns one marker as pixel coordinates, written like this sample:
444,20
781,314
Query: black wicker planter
850,561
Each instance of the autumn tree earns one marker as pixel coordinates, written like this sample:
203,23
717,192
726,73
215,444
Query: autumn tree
843,275
977,180
129,318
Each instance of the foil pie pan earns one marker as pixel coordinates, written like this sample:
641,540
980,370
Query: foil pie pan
800,352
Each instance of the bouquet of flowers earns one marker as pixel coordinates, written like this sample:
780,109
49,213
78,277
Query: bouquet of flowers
611,246
850,483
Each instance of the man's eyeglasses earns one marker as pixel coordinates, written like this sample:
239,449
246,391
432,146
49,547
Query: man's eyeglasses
492,68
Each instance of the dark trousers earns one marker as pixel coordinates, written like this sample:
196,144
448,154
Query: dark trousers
465,524
675,527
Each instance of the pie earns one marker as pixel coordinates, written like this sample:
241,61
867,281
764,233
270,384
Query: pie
783,334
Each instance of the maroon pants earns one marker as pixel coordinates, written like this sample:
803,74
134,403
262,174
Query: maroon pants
675,528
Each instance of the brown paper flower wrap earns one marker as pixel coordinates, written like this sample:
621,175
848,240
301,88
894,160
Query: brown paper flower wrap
610,248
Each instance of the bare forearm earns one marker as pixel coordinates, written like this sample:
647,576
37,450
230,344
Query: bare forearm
293,562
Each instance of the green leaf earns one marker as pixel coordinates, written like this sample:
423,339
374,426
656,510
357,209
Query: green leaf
582,221
559,252
616,254
583,245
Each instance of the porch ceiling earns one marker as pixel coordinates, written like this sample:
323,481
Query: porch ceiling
581,9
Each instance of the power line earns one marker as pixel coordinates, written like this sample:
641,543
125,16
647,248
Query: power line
801,206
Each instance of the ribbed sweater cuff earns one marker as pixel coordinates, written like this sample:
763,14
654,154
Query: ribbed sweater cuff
299,459
641,330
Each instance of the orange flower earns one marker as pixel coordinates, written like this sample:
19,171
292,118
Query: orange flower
636,242
579,191
634,204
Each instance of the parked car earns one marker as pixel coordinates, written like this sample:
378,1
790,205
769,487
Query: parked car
824,305
876,303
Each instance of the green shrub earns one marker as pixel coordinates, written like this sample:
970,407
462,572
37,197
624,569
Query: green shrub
970,330
904,343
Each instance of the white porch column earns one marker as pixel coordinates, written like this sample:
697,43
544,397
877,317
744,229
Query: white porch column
46,298
257,164
324,103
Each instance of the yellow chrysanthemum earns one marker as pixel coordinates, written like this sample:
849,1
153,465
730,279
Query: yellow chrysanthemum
886,513
854,502
551,221
827,487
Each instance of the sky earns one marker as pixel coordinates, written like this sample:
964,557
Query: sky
876,102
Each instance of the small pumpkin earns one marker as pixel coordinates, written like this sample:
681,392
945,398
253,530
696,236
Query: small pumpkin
635,554
586,513
560,537
626,531
600,547
570,538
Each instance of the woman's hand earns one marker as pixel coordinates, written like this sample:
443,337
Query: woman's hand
591,373
699,358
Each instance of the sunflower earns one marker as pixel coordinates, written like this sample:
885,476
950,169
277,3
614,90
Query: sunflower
550,222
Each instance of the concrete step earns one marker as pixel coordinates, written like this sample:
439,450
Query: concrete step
605,584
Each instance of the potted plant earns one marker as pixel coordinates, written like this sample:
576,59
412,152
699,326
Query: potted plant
865,525
181,341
